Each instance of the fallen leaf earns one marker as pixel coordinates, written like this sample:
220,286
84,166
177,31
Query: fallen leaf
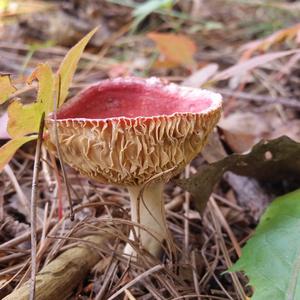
6,88
8,150
213,150
290,129
271,257
177,48
249,194
68,66
44,75
200,77
271,160
24,119
242,130
265,44
245,66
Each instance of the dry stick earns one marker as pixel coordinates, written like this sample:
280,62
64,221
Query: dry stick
56,102
34,196
58,279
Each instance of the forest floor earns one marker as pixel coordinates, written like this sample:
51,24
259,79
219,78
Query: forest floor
261,101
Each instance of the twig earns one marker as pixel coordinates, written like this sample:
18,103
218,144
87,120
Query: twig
64,273
34,196
138,278
56,102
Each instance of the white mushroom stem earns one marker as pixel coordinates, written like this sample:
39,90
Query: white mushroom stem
147,209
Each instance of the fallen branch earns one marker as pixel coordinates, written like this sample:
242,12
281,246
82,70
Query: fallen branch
58,279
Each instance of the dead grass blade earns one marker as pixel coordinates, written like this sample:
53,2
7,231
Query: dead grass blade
243,67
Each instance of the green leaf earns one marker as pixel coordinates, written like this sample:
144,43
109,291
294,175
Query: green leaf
6,88
8,150
43,73
271,258
24,119
145,9
68,66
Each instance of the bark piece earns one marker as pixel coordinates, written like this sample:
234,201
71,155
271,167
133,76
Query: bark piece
58,279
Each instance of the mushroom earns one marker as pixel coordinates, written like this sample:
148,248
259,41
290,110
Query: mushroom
136,133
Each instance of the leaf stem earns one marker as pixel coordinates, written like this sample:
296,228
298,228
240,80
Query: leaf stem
34,196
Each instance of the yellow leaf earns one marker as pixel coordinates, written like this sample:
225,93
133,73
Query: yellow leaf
8,150
44,75
175,47
6,88
68,65
24,119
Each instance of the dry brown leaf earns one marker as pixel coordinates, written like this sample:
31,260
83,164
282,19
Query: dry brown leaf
177,48
242,130
290,129
271,160
278,37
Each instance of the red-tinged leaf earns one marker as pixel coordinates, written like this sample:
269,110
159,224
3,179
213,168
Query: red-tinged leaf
45,77
6,88
175,47
8,150
24,119
69,64
252,63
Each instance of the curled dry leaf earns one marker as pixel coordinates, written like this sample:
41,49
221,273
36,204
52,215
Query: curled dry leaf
269,160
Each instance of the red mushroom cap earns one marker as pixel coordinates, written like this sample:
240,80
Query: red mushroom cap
128,130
